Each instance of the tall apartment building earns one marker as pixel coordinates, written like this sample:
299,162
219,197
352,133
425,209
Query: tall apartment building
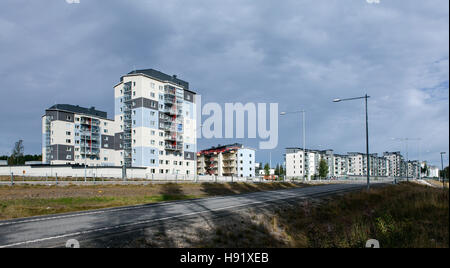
157,117
76,135
154,127
227,160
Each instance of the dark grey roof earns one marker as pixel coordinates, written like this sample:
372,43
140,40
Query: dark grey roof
79,110
160,76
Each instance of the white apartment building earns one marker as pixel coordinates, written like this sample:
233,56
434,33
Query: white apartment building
154,127
157,117
304,164
227,160
76,135
395,163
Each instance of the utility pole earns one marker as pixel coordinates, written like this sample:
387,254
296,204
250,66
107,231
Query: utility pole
367,134
443,173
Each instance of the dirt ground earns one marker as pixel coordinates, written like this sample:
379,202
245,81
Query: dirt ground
188,189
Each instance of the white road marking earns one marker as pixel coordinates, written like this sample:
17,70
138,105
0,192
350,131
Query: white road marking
131,208
161,219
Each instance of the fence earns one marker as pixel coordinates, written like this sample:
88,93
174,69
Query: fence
77,173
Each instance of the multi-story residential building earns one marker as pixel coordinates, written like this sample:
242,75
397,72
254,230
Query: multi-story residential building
356,164
154,127
396,165
297,163
76,135
413,169
341,163
227,160
305,164
433,172
157,117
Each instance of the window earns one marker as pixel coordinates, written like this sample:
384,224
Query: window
68,117
68,133
68,141
152,161
152,94
68,157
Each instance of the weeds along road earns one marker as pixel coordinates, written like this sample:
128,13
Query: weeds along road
55,230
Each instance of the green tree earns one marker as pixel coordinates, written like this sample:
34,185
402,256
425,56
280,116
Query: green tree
277,170
267,169
323,168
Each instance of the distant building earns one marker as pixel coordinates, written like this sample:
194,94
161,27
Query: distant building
434,172
3,162
227,160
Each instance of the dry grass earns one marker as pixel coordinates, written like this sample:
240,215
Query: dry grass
404,216
31,200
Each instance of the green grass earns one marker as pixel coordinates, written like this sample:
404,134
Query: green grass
34,200
33,206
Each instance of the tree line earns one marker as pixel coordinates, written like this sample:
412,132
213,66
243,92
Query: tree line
17,156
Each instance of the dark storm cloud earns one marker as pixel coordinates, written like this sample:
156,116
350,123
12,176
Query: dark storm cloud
301,54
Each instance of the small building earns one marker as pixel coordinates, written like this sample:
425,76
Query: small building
3,162
227,160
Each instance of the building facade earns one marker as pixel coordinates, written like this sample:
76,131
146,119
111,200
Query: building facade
227,160
76,135
154,127
305,164
157,117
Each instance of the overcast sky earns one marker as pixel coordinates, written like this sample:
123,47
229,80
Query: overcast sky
299,53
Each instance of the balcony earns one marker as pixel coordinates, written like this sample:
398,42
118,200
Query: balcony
177,147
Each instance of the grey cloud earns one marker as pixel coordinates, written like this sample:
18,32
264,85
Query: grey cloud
301,54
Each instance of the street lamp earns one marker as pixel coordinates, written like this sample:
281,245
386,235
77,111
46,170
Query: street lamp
367,134
443,173
303,126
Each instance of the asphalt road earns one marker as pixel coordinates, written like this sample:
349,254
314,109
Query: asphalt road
55,230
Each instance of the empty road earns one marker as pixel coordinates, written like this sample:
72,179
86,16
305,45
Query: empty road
55,230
